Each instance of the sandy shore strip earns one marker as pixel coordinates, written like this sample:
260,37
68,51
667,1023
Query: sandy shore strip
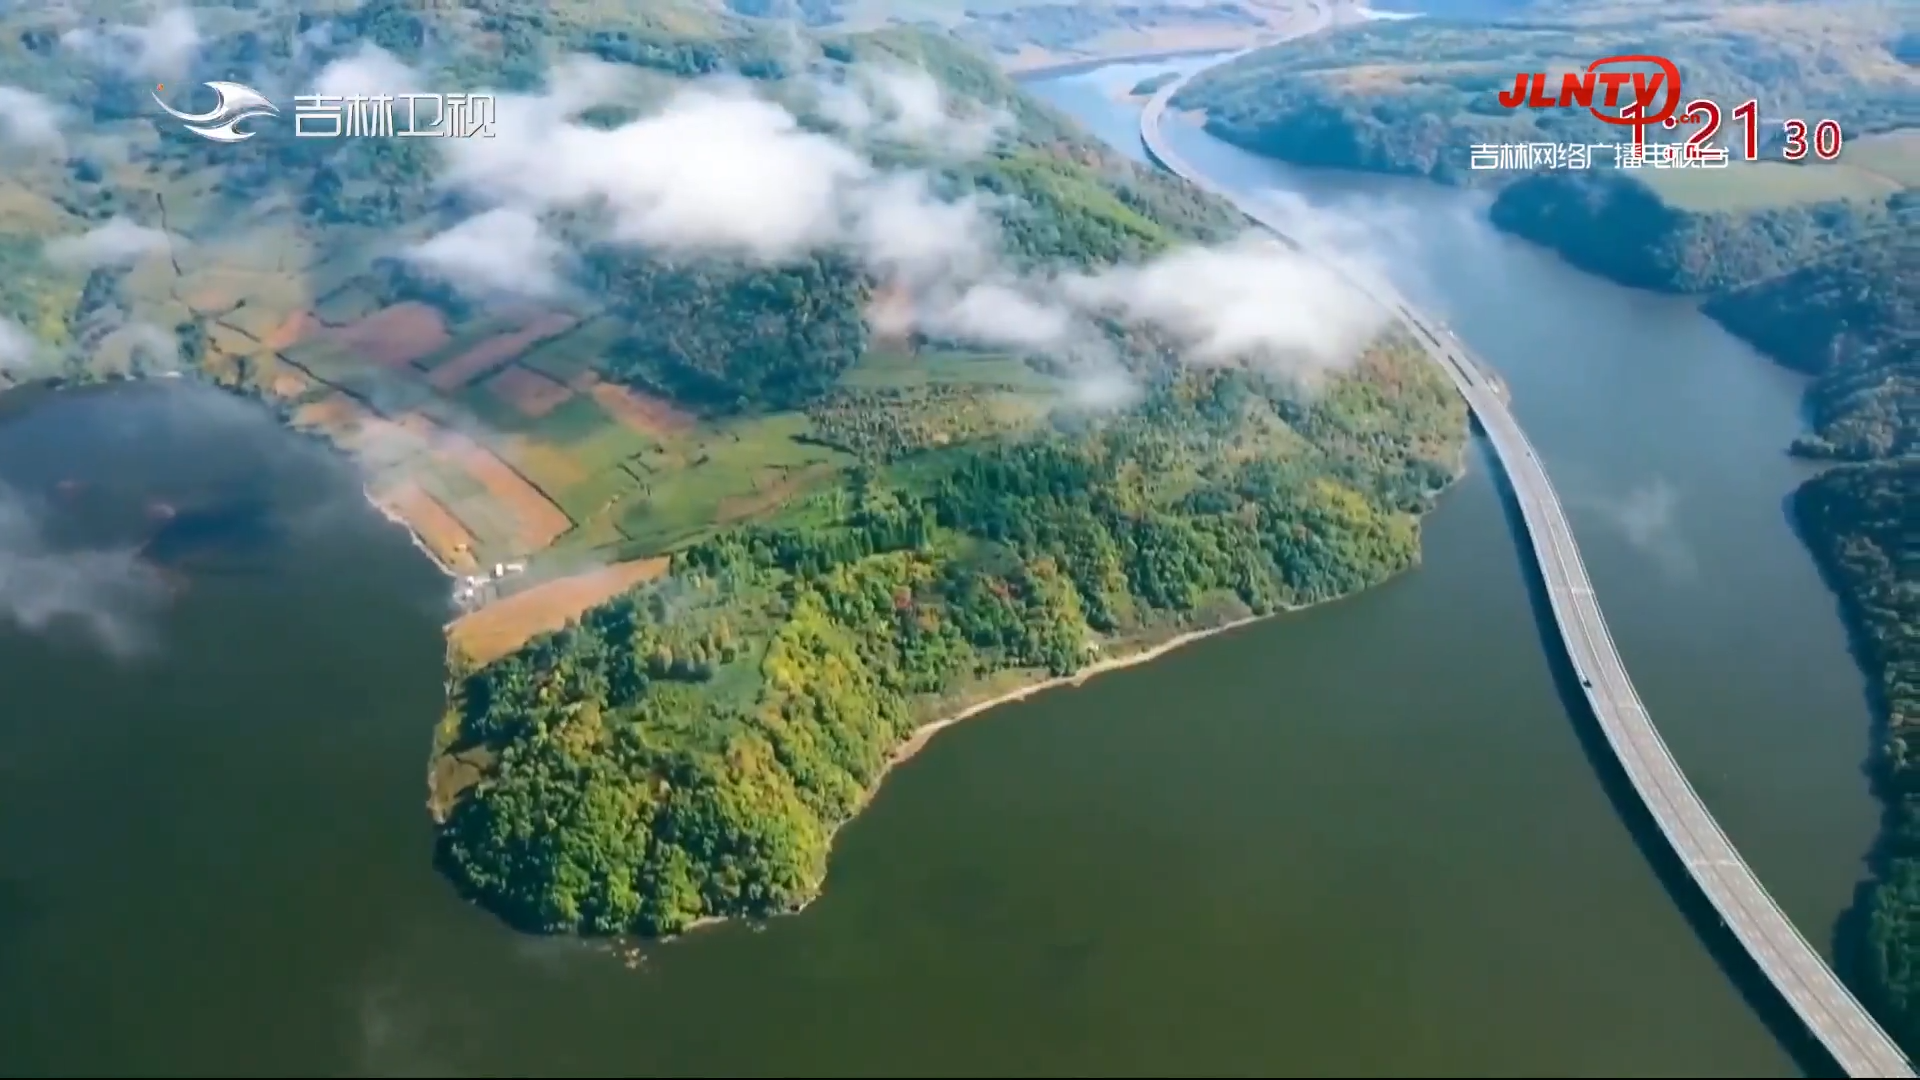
927,732
1080,65
393,515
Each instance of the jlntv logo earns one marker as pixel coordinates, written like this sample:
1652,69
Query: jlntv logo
1579,88
1661,85
237,103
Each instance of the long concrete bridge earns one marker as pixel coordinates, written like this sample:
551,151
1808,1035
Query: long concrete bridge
1778,949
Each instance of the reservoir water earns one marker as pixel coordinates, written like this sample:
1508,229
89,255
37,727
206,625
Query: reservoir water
1361,841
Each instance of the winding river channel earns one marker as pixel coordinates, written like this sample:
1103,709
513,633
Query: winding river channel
1360,841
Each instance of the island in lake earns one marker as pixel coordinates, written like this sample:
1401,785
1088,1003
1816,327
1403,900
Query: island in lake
1813,263
892,397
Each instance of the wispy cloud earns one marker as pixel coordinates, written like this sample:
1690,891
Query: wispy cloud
895,103
16,344
720,170
367,70
161,49
104,593
116,242
29,119
1254,300
1647,515
503,250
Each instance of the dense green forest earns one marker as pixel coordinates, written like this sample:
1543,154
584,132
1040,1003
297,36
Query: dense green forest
688,751
1613,224
1860,522
1852,320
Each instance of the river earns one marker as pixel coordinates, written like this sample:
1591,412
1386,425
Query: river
1360,841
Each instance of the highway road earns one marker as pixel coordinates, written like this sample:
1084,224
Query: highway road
1796,970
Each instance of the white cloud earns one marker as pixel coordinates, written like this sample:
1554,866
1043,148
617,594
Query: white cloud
1255,300
911,237
118,242
728,171
1102,387
162,49
504,250
102,592
718,171
369,70
906,105
1003,315
29,119
1647,515
16,344
149,347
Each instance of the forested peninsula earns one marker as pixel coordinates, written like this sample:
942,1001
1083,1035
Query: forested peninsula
821,526
686,752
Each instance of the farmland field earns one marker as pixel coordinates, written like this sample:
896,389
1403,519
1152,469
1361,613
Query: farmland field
534,394
499,435
1892,154
568,356
500,627
433,523
396,335
495,351
1765,184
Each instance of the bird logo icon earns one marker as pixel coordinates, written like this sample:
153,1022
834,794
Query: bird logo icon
237,103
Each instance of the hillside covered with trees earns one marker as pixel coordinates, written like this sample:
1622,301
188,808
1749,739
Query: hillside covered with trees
688,751
1619,226
1859,521
1852,320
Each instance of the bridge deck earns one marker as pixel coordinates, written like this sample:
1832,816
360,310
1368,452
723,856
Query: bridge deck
1783,955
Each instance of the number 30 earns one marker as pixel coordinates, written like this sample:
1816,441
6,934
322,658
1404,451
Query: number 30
1826,140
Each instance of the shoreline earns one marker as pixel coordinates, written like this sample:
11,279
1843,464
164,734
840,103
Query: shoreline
1094,63
413,536
1254,39
924,735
